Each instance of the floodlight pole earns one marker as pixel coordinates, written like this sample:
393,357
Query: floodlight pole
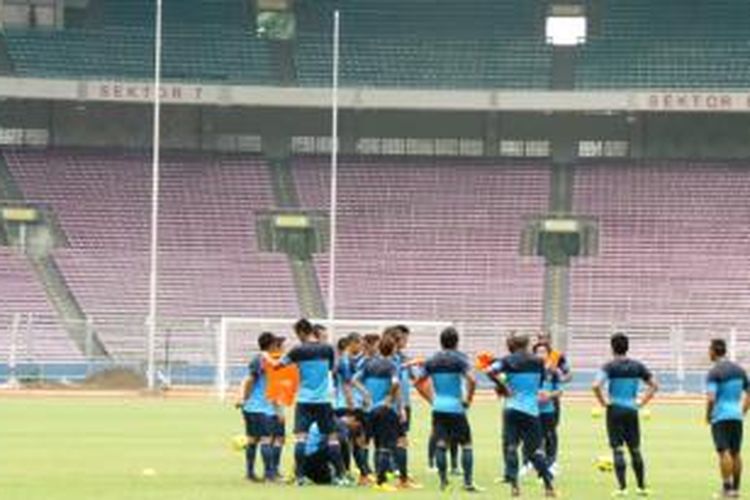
331,309
155,178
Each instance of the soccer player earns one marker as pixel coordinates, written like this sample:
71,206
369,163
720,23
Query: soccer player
356,417
315,361
379,382
343,398
555,363
725,410
259,413
548,408
449,372
400,335
524,374
623,377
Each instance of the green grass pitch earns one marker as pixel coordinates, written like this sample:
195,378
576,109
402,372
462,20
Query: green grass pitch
98,449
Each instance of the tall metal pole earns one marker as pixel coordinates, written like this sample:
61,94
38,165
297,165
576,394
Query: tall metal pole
334,170
155,178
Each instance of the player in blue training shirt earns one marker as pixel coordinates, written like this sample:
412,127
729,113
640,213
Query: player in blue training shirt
355,412
378,381
524,374
260,415
623,377
549,398
315,361
727,403
400,335
450,372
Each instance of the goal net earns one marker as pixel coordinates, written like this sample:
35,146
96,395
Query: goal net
238,340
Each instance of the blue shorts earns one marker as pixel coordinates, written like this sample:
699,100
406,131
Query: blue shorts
259,425
307,414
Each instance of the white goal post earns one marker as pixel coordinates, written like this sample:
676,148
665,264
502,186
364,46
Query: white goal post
237,339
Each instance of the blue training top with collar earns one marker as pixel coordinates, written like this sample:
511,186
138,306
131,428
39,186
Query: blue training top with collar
447,370
524,375
727,381
315,362
624,377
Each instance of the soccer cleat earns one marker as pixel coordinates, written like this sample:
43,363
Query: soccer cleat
444,485
410,484
385,488
619,494
515,491
301,481
643,492
473,488
550,493
253,478
343,482
365,481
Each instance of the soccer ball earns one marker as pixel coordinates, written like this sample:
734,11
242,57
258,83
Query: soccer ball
597,413
604,464
239,442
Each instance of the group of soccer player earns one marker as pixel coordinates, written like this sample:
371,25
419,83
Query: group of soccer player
356,399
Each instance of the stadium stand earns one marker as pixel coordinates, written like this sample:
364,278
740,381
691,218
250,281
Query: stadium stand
209,262
22,294
673,251
425,44
433,239
203,41
645,44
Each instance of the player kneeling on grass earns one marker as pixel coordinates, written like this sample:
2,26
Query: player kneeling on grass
318,467
449,370
623,377
725,410
378,381
524,374
315,361
260,414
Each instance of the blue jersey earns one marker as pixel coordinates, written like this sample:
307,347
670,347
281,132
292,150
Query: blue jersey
315,362
550,384
346,367
623,377
257,401
404,378
727,382
447,371
379,376
524,375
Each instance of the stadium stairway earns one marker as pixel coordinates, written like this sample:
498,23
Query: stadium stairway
60,296
309,295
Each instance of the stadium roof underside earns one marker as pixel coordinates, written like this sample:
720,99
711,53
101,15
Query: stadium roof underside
661,100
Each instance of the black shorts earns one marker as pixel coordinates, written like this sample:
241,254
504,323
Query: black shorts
384,427
258,425
405,424
307,414
548,421
317,468
451,428
623,427
727,435
522,428
278,427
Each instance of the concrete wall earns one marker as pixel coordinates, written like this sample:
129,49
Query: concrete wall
194,127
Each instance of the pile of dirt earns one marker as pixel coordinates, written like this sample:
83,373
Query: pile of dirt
115,378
